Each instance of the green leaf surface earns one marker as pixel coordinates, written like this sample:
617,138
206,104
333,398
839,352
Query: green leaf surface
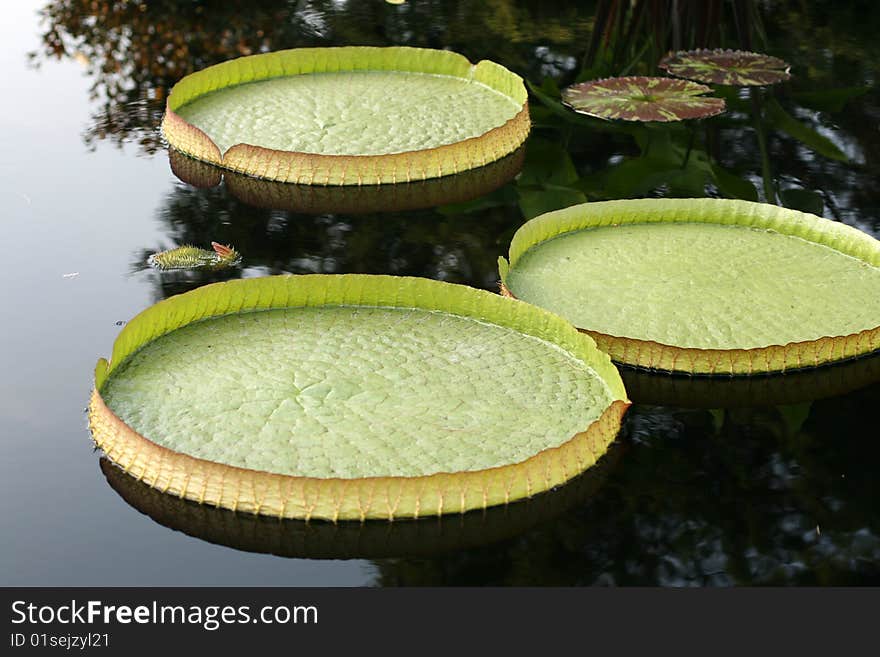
699,274
782,120
547,163
350,113
533,202
804,200
732,186
355,376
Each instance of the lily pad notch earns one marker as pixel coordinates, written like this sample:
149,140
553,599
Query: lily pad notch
703,286
507,357
486,119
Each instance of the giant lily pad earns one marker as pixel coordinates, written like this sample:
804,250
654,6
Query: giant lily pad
703,286
642,99
729,67
353,397
348,116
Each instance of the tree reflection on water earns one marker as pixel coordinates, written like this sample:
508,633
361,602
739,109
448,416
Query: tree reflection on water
135,52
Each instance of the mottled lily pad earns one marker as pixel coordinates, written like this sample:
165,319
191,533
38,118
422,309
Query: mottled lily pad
729,67
642,99
353,397
708,286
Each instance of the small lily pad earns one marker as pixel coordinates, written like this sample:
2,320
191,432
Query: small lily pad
192,257
642,99
736,68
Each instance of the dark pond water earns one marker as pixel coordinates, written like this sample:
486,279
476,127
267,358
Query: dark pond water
730,483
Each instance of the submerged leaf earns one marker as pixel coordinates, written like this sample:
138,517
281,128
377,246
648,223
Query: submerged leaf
730,67
642,99
828,100
782,120
192,257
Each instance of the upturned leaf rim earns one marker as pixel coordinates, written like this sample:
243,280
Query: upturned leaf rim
323,169
662,357
267,493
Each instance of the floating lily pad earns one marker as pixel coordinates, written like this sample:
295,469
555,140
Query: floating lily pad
353,397
359,540
729,67
703,286
348,116
351,199
642,99
221,256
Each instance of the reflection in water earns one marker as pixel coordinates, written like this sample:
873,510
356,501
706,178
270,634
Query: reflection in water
645,387
354,540
350,199
698,498
703,500
452,243
136,51
809,143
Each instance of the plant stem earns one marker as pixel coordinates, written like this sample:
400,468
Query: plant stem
766,173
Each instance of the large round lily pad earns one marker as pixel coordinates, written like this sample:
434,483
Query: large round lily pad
348,116
642,99
729,67
353,397
704,286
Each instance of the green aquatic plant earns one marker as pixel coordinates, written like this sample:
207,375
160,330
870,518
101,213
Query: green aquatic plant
192,257
642,99
309,115
353,397
736,68
704,286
